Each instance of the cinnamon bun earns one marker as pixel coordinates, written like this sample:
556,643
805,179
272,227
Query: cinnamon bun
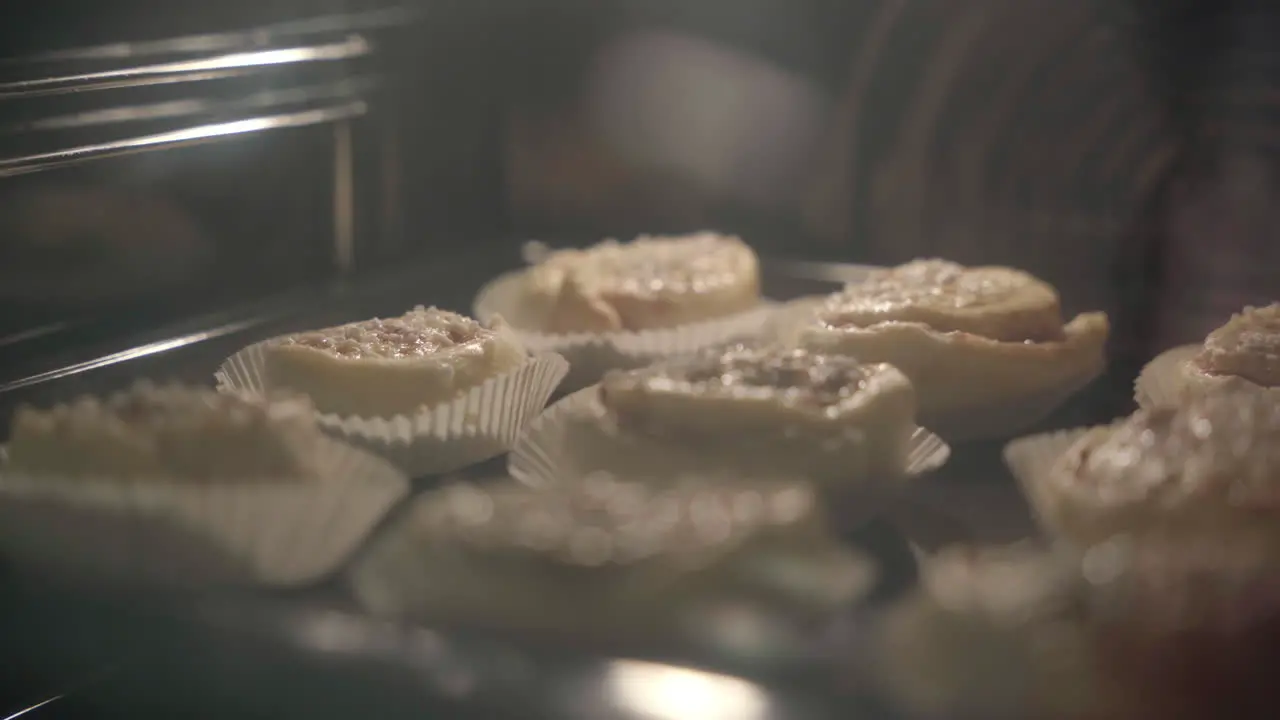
1244,354
151,431
1133,629
388,367
1211,464
793,409
609,556
985,347
648,283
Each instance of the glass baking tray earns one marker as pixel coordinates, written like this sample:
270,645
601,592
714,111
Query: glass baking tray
106,652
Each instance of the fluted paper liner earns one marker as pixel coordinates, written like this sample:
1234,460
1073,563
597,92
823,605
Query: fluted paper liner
482,423
590,355
268,531
1030,460
1163,382
560,443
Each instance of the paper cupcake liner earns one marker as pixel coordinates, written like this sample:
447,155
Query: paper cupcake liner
590,355
561,443
269,532
482,423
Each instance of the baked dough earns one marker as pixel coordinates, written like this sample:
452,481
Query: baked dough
993,633
1242,354
648,283
827,416
1140,630
167,432
1212,464
968,338
383,368
608,556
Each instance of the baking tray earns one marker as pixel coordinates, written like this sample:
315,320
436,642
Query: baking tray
80,651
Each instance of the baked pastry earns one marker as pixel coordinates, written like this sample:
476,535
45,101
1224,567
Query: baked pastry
1170,627
383,368
985,347
609,557
777,410
167,432
993,633
1212,464
1244,353
648,283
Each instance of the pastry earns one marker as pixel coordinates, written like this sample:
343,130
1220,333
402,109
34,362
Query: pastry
778,410
167,432
992,634
1212,463
384,368
985,347
1243,353
648,283
610,557
186,486
1159,628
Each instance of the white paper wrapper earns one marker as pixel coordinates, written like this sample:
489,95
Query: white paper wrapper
266,532
560,444
1031,458
482,423
590,355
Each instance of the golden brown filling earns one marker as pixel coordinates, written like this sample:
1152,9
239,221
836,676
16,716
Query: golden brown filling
1248,346
994,302
797,376
418,334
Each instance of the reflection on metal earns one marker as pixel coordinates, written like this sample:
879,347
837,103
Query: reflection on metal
201,133
353,47
344,240
665,692
223,42
37,706
132,354
195,106
32,334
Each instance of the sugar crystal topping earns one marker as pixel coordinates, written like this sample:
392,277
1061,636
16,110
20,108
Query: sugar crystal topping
931,283
996,302
1223,445
1247,346
170,429
420,333
795,376
655,265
